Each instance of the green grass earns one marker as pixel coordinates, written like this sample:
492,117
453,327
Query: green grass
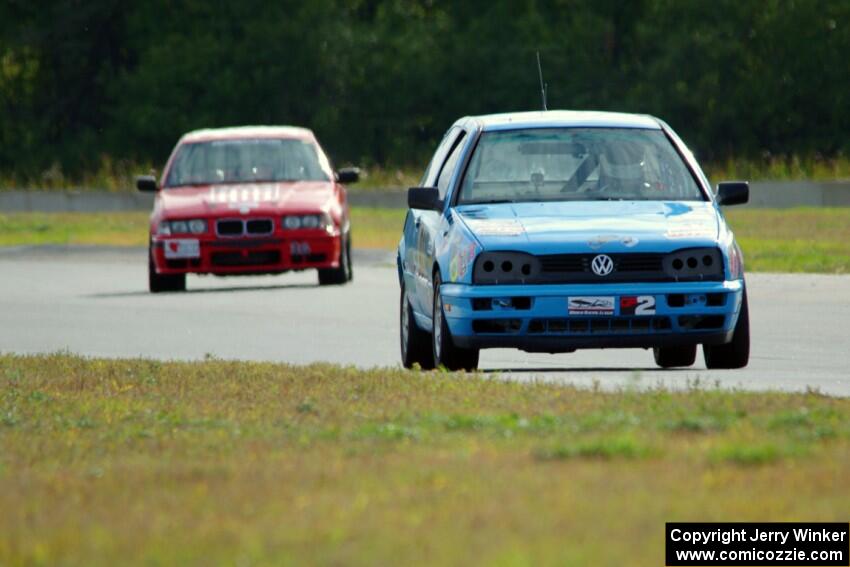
788,240
794,168
111,175
108,229
119,175
372,228
793,240
141,462
376,228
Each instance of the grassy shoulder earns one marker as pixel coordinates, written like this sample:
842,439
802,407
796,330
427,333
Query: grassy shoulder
117,175
143,462
813,240
787,240
372,228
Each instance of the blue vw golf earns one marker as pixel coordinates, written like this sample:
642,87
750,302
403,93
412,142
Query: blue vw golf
555,231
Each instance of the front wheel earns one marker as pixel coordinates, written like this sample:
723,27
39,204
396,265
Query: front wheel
735,354
342,274
677,356
158,283
415,343
445,352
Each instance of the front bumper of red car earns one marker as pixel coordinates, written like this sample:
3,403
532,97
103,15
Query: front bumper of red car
271,254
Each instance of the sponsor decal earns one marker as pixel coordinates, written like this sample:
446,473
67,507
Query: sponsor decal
599,241
495,227
637,305
689,231
182,248
590,305
243,198
460,262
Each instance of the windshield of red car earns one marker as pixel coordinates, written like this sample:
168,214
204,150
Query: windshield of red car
245,161
577,164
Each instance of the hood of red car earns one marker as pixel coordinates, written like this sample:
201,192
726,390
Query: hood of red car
245,198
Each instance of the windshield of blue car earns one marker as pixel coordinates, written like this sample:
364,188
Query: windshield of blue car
577,164
245,161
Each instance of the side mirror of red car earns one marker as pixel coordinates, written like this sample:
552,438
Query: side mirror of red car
348,175
146,183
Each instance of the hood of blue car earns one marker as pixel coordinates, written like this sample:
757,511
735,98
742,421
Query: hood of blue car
588,226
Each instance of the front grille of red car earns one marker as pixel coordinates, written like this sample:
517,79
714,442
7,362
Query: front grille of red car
309,258
259,226
180,264
246,258
239,227
229,227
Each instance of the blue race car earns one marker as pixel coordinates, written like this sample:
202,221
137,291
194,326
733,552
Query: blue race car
555,231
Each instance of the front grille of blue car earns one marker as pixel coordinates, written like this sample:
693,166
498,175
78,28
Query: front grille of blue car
590,325
555,263
569,268
600,325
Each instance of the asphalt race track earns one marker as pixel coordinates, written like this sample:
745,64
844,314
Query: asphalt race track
94,301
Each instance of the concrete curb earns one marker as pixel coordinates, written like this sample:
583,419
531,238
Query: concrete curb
763,194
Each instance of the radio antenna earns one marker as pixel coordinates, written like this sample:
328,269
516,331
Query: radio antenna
543,86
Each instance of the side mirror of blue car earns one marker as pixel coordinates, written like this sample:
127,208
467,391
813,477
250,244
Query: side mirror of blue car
733,193
425,198
146,183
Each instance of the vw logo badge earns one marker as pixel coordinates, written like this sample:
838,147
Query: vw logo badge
602,265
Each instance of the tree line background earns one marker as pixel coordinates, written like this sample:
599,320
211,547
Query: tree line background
380,81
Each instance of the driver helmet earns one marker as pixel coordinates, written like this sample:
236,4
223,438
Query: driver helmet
622,161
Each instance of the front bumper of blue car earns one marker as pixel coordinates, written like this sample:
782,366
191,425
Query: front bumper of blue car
562,318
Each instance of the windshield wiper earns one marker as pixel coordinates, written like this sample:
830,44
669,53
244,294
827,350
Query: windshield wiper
490,202
611,198
188,184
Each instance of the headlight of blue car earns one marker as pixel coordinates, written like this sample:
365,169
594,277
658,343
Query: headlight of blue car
694,264
505,268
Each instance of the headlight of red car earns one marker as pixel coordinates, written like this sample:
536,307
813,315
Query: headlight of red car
191,226
320,221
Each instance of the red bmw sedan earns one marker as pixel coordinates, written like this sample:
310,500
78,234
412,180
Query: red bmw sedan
248,200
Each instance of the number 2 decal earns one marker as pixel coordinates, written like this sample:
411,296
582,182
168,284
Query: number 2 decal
645,305
637,305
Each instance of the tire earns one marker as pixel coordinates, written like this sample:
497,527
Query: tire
735,354
445,352
415,343
158,283
344,273
677,356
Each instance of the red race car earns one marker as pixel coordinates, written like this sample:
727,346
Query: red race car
248,200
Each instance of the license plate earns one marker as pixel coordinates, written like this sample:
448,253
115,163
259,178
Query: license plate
299,248
186,248
591,305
